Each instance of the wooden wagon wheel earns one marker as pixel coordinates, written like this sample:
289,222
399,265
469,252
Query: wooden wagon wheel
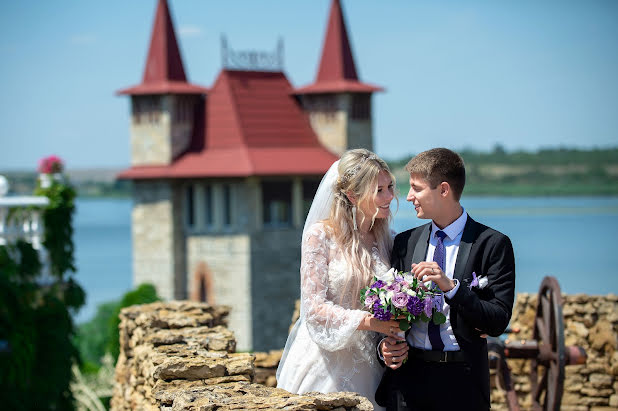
547,369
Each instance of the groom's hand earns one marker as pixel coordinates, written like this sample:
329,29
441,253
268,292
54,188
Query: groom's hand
394,351
430,271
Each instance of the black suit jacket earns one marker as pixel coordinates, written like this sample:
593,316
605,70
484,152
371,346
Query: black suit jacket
473,311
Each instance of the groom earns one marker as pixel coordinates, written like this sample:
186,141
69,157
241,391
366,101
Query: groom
447,366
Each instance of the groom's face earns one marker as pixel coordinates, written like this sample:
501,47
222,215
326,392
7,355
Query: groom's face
426,200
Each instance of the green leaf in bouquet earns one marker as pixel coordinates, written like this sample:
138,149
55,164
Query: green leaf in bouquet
439,318
424,318
404,325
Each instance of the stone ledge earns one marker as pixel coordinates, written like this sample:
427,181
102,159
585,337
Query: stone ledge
247,396
180,356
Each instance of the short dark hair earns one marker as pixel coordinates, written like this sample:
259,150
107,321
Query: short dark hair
438,165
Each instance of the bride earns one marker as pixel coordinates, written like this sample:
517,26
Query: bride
346,241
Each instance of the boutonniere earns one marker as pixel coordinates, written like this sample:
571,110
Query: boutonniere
479,282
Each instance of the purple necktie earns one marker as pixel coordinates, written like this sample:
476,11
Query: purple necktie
439,256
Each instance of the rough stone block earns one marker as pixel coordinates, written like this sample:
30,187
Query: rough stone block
601,380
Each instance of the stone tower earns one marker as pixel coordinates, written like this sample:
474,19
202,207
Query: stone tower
223,177
338,103
163,117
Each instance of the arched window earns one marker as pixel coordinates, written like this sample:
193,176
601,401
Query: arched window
202,284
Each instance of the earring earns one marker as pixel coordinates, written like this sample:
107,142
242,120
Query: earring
354,218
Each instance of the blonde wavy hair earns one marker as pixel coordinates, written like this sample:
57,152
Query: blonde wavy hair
358,177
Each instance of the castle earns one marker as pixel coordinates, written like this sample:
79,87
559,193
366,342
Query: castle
224,176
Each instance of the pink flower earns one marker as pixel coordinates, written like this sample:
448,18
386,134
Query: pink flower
50,164
400,300
370,300
395,287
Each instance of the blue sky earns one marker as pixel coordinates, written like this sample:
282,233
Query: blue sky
525,74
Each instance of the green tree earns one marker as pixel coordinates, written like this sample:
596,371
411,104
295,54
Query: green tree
100,335
36,327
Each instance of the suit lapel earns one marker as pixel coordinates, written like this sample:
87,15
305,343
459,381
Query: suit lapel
467,239
420,249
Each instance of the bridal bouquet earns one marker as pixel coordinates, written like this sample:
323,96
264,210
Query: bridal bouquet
399,295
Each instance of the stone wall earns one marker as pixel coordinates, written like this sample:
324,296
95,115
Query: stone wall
227,257
590,322
150,131
275,285
154,245
180,356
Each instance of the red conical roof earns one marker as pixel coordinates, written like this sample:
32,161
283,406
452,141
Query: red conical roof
164,72
337,71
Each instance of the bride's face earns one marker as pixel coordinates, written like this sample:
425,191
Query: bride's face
383,198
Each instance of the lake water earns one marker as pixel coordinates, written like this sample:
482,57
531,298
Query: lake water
570,238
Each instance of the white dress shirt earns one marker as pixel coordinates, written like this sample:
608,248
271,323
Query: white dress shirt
418,337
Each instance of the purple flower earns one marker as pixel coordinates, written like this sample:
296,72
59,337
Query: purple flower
370,300
475,281
438,303
400,300
377,284
428,305
398,278
380,313
415,305
395,287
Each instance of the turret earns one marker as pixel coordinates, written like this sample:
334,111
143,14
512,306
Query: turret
164,105
338,103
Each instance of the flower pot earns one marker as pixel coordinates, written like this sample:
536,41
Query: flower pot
47,179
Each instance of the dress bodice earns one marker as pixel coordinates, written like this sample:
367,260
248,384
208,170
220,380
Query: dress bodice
338,272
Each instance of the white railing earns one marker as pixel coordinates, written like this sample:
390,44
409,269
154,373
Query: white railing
20,219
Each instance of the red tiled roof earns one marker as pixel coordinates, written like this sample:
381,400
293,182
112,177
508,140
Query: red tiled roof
337,71
164,71
253,126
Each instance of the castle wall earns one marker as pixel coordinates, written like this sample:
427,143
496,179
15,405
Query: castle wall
590,322
182,109
153,235
275,264
150,131
331,129
332,117
360,134
228,258
161,128
179,246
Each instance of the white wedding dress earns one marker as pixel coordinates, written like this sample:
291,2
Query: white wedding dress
324,351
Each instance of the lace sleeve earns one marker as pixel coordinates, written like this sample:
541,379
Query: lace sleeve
330,325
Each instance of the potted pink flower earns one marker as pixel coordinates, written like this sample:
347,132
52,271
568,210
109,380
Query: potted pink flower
50,169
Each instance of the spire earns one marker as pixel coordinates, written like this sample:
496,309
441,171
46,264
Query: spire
337,71
337,62
164,71
164,62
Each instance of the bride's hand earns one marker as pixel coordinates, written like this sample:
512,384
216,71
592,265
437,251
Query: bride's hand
389,328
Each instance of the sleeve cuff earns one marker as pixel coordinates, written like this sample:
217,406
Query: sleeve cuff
451,293
380,356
